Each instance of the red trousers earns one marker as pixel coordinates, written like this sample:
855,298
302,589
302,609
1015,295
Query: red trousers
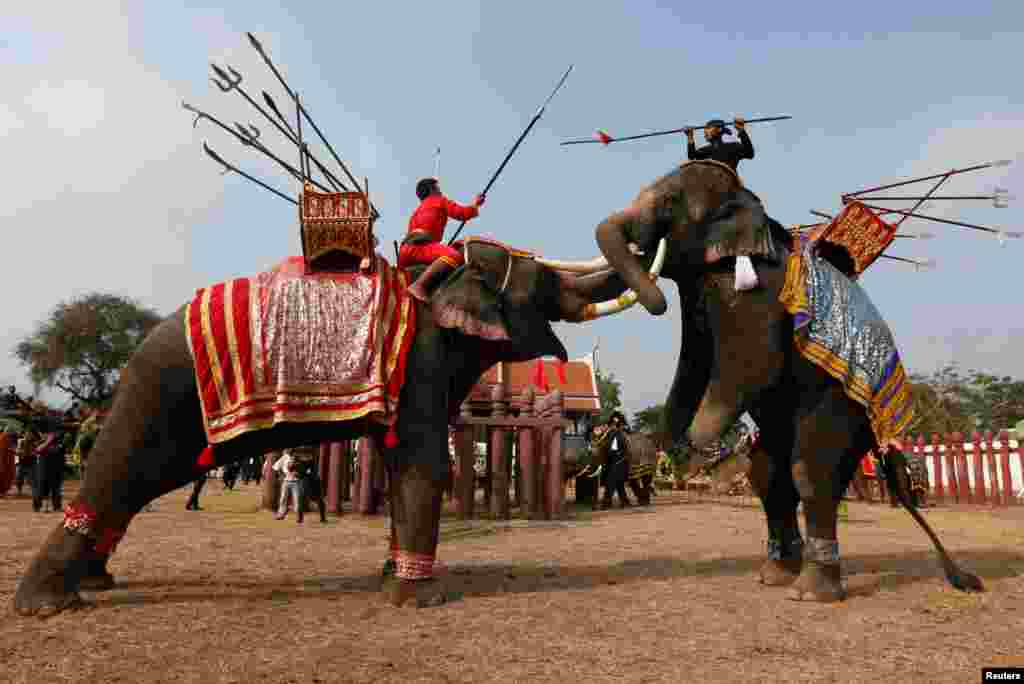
428,253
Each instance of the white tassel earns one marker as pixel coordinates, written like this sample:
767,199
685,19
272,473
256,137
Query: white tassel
746,276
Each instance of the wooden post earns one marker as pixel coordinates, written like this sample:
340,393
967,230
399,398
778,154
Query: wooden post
951,467
528,458
334,478
1004,467
466,486
271,485
498,457
345,478
939,484
365,476
540,449
555,489
979,470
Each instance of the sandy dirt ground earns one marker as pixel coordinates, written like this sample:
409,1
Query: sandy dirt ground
666,593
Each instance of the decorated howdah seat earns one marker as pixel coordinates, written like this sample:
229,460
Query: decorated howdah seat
859,231
333,223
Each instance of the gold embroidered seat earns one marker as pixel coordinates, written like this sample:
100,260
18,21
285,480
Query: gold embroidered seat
334,223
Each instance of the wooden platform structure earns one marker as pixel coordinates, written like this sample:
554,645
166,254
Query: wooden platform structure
509,413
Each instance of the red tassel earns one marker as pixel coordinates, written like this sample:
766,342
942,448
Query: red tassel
562,366
206,458
391,438
604,137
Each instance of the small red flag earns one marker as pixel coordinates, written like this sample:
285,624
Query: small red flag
540,378
604,137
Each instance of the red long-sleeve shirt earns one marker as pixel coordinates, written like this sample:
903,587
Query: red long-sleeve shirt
433,213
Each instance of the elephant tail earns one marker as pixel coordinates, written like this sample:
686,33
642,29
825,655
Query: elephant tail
895,464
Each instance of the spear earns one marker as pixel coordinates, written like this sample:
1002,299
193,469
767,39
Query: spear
605,139
1000,198
247,138
228,167
266,58
233,81
522,136
996,231
987,165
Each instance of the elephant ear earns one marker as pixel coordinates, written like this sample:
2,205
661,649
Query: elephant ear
739,227
469,301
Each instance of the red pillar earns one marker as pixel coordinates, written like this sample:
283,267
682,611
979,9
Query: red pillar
992,491
951,466
1004,467
979,470
963,483
937,467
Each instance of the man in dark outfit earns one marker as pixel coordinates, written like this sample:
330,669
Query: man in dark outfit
729,153
617,465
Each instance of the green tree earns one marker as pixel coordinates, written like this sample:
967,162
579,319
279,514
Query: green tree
610,391
82,346
949,400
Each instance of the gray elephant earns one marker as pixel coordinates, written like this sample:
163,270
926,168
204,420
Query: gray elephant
753,349
498,307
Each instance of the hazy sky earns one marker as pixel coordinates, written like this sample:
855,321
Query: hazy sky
107,188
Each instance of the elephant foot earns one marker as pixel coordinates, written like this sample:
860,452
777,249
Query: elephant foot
102,582
818,582
46,596
780,572
426,593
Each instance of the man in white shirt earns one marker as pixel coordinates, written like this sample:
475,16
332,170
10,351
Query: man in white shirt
290,487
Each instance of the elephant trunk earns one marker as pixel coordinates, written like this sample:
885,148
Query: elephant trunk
612,240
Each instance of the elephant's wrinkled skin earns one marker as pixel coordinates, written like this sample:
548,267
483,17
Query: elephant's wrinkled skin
737,354
154,431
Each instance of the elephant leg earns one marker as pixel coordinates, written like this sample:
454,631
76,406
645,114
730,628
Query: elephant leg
147,448
416,516
773,484
830,438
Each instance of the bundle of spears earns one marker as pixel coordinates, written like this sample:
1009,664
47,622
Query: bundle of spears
860,223
334,203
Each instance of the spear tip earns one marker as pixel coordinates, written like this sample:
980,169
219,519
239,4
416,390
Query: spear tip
1001,163
252,41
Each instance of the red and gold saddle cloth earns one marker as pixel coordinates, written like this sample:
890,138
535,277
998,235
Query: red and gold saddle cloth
290,347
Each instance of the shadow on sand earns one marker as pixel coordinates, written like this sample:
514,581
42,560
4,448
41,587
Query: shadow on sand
865,574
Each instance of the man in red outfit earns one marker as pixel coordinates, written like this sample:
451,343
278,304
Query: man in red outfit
422,244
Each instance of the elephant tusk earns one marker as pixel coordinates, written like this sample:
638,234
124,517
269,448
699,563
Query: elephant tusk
629,297
581,267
